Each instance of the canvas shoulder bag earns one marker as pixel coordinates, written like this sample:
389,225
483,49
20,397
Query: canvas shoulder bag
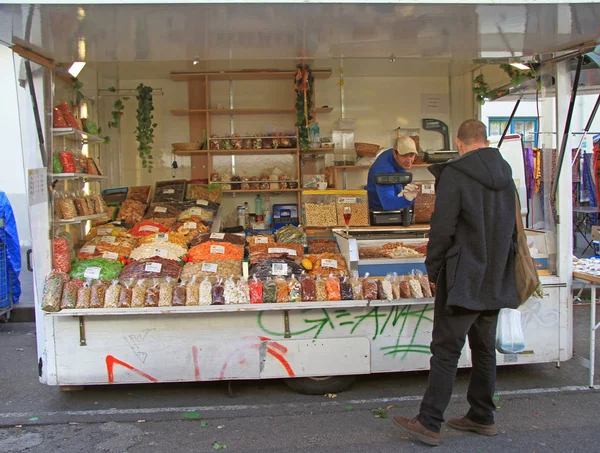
525,270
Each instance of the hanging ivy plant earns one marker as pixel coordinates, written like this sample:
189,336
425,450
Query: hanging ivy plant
77,86
117,111
482,90
145,128
303,85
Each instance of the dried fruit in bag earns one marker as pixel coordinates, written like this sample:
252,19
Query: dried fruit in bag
98,295
53,288
138,296
84,296
192,292
96,269
205,292
260,252
230,293
370,289
424,282
283,290
215,251
386,286
309,290
131,212
152,295
151,268
269,292
146,228
61,255
357,286
415,288
219,237
165,298
57,166
295,289
68,162
256,291
321,289
332,286
69,294
125,295
404,289
179,295
218,293
346,289
111,298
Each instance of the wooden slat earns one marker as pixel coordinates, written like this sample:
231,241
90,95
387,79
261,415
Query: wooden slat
257,111
36,58
198,123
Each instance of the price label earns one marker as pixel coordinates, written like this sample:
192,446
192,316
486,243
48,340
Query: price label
348,200
88,249
329,263
161,252
428,189
160,209
279,269
190,225
217,249
110,255
202,202
209,267
169,191
92,272
282,250
217,236
108,239
196,211
261,240
149,228
104,231
153,267
162,237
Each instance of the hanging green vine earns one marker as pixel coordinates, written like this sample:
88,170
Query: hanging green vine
77,86
117,111
303,85
482,90
145,128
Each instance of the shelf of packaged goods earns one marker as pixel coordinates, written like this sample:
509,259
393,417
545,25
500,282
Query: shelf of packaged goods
228,152
76,135
257,111
238,308
245,75
63,176
82,219
261,190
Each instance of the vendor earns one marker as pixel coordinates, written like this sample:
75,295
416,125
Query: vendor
397,160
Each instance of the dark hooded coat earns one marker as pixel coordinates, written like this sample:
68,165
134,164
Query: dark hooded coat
471,250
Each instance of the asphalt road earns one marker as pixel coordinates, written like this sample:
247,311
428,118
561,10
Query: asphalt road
541,408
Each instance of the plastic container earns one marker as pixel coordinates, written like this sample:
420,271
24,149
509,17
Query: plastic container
358,203
319,208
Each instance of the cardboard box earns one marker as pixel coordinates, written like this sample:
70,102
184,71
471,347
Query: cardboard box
595,233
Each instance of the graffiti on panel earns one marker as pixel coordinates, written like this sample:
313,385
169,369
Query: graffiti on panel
400,324
539,313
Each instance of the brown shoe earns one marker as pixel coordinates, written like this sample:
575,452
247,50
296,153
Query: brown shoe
464,424
413,428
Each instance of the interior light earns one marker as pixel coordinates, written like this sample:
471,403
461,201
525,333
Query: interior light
196,61
80,13
520,66
392,58
83,110
76,68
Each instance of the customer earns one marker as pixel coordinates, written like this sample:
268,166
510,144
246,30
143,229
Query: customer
470,256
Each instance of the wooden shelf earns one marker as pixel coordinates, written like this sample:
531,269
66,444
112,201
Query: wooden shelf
258,111
364,167
319,151
226,152
260,190
245,75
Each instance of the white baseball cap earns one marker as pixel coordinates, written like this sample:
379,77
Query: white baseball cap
405,145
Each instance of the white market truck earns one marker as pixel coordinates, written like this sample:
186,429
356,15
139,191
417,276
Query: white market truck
384,60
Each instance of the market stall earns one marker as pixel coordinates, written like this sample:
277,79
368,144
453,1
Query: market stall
218,241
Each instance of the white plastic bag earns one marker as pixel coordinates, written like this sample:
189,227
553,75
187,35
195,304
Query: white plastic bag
509,335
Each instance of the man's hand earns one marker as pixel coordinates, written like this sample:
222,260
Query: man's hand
409,192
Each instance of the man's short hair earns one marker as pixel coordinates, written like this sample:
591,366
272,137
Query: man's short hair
472,131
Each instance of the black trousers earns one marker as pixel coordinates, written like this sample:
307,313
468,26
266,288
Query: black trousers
449,332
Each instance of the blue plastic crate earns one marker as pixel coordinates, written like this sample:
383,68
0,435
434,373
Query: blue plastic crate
285,214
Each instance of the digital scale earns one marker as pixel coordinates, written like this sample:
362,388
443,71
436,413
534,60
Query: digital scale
400,217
